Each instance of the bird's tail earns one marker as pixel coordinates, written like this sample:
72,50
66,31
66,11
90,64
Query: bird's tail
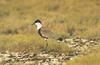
61,39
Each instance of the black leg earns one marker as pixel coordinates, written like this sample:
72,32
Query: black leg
46,47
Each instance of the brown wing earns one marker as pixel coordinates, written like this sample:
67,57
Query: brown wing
49,34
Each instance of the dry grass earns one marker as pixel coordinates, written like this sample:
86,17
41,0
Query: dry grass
29,43
91,59
81,18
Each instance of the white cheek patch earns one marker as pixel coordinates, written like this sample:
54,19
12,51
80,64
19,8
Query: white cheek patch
38,25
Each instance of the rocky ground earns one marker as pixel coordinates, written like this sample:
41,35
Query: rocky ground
80,46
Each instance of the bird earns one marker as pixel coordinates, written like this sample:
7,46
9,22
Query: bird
46,33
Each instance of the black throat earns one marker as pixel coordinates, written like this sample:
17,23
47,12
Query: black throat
39,32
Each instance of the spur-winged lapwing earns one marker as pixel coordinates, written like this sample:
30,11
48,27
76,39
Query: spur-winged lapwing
45,33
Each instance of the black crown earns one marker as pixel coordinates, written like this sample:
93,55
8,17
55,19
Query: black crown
37,21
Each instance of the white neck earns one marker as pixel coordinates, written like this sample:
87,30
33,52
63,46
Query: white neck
38,25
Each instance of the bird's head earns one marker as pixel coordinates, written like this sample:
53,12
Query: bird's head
38,24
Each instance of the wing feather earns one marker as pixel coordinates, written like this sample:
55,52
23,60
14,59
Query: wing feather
47,33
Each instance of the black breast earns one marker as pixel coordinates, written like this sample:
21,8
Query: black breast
39,32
